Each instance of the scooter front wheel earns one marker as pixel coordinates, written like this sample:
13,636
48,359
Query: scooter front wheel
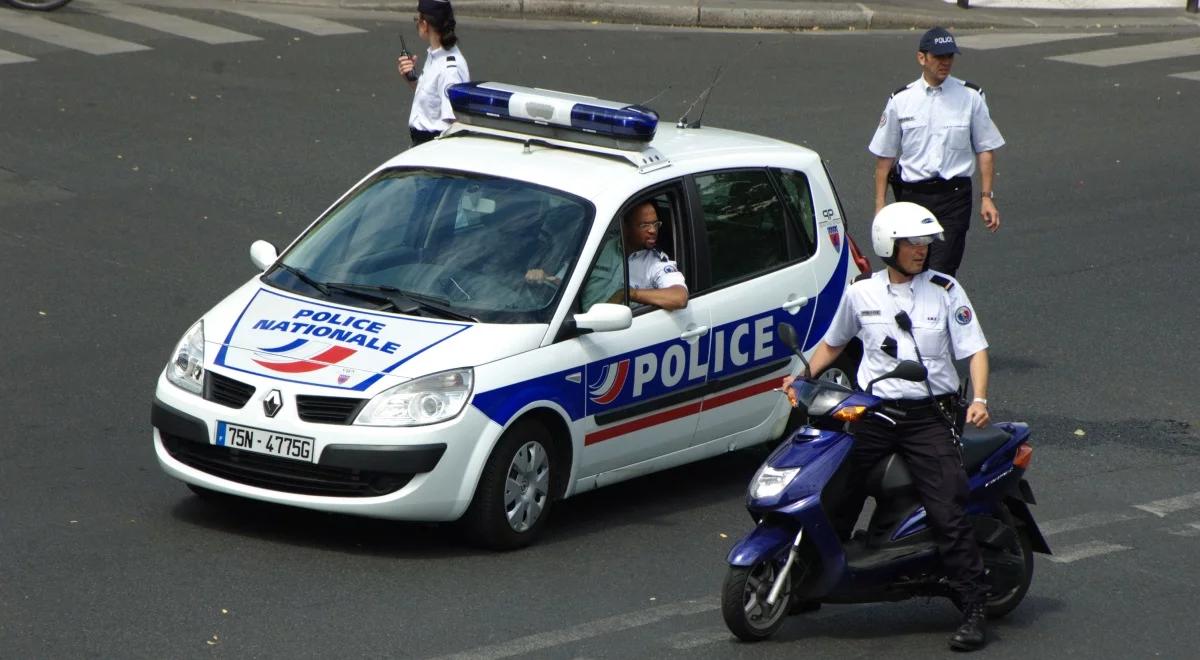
744,601
38,5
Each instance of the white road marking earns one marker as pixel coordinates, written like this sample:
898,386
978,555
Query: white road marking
1134,54
1073,4
1190,529
1161,508
13,58
64,35
309,24
1085,521
1004,40
1189,75
1070,553
553,638
171,24
693,639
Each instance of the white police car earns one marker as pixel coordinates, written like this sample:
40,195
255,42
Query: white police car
395,361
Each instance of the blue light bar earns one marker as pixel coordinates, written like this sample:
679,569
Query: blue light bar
498,102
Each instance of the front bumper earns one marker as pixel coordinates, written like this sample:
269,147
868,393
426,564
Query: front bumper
416,473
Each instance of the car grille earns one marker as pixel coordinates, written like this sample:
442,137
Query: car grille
328,409
281,474
226,391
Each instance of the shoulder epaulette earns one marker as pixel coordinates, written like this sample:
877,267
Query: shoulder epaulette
862,277
973,86
901,89
943,282
662,256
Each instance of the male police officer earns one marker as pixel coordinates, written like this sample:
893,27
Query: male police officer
908,312
654,279
935,127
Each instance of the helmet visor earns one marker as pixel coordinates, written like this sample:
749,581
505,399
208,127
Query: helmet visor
919,240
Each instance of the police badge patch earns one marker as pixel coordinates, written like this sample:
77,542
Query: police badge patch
963,315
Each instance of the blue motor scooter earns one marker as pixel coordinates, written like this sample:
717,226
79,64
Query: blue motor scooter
794,559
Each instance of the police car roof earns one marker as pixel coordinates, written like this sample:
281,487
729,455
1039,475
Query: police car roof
587,173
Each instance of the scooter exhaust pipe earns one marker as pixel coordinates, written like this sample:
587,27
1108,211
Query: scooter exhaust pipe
787,568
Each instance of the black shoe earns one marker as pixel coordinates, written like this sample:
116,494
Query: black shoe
972,632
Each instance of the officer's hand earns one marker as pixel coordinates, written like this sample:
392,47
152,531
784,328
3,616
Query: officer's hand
990,215
978,415
785,387
406,64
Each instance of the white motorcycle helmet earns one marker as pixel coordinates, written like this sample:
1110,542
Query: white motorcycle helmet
901,220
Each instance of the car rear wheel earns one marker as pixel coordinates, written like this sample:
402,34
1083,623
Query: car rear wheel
514,493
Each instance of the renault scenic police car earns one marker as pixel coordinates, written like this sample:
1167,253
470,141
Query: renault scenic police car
397,361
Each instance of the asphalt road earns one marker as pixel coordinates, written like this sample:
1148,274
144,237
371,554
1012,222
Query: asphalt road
131,186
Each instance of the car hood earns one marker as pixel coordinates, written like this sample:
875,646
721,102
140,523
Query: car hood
287,337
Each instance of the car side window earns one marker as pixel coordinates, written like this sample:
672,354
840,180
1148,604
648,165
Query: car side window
605,282
744,222
798,196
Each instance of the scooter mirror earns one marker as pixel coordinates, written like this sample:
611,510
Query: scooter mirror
787,335
910,370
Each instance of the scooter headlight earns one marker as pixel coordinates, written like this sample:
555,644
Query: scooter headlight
770,482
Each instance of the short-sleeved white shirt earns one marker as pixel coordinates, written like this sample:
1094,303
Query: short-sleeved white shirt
653,269
944,323
935,132
431,110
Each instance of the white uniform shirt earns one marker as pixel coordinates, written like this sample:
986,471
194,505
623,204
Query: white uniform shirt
936,131
431,110
943,321
653,269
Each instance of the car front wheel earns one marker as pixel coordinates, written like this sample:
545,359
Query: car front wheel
513,496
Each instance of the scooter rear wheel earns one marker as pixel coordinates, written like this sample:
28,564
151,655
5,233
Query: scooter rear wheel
744,601
999,605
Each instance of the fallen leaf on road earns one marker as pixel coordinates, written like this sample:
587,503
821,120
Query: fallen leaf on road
1079,432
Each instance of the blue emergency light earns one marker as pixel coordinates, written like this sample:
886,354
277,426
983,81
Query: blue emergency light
498,105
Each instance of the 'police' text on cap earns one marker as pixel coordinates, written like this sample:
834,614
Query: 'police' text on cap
938,41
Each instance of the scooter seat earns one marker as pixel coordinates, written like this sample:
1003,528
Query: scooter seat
979,444
891,477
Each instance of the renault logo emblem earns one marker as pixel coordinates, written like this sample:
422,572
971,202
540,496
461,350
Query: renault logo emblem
272,403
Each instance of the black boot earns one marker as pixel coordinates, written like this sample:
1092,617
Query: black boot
972,632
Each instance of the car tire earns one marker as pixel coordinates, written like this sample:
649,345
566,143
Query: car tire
512,499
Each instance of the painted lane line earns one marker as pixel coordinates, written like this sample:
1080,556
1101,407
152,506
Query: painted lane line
1134,54
1086,521
1070,553
1187,75
994,41
42,29
1161,508
309,24
553,638
1188,530
693,639
168,23
13,58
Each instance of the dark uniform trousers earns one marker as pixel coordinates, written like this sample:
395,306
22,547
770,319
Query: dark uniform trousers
950,202
924,442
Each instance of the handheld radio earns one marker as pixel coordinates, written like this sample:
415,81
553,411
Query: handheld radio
411,75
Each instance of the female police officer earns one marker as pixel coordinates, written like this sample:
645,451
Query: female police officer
431,112
907,312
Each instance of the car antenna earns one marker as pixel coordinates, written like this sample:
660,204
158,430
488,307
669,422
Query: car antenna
705,95
651,99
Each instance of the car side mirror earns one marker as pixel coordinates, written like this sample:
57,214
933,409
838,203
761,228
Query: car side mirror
604,317
263,254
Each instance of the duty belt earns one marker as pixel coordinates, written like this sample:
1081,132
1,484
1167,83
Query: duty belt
937,185
945,400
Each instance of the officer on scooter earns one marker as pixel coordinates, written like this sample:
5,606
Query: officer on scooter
908,312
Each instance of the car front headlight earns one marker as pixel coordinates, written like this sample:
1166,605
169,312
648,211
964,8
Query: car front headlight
770,482
186,368
426,400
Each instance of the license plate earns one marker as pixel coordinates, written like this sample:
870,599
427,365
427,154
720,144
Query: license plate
262,441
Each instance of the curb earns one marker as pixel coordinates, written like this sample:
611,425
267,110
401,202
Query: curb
771,14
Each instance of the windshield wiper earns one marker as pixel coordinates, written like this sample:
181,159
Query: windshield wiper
304,277
405,302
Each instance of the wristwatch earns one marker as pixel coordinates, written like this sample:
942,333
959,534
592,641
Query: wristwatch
991,194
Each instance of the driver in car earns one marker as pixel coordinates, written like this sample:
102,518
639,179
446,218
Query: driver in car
908,312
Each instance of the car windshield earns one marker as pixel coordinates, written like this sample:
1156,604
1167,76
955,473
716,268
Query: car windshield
443,244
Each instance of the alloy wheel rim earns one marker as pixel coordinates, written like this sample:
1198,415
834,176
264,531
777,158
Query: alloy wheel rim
758,587
527,486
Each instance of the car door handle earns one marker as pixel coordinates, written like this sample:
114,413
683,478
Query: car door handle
794,305
692,333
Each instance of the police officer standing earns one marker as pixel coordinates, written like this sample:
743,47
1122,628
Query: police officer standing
445,65
929,136
908,312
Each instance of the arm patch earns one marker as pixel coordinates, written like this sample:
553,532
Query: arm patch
943,282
